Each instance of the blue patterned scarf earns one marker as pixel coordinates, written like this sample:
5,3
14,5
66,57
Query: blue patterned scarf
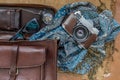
70,56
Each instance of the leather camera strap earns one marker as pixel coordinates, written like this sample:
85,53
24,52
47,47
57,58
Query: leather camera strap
13,70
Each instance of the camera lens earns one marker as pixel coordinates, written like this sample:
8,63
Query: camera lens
81,33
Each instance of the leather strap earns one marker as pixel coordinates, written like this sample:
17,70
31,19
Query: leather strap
13,70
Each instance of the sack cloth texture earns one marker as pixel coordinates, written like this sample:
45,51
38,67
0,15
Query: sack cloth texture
71,57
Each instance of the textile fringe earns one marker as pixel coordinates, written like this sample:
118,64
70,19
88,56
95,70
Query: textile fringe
102,66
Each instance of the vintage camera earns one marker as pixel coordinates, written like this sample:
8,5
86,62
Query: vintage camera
81,29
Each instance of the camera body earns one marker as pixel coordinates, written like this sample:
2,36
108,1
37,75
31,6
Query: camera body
81,29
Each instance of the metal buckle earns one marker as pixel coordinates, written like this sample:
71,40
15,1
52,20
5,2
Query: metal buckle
10,72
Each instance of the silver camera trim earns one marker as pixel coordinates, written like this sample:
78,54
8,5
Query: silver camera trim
81,21
86,23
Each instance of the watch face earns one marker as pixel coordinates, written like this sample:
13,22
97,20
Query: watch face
47,18
81,33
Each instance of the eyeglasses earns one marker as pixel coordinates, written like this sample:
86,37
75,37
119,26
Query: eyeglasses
31,27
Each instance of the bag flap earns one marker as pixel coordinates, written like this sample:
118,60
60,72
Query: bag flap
31,56
6,35
28,56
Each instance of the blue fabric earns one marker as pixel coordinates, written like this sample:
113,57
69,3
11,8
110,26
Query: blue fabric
70,55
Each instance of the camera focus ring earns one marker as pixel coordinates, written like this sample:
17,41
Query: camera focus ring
81,33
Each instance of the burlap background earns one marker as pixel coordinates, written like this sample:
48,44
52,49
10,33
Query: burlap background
110,69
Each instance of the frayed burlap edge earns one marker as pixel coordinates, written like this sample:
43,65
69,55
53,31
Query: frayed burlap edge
102,69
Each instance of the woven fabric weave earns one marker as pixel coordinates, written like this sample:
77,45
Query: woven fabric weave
70,56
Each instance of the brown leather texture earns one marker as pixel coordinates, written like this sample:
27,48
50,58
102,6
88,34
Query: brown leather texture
28,60
9,19
5,35
13,17
92,38
27,15
70,23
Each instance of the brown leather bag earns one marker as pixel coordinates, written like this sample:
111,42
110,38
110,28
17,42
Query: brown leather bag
13,17
25,60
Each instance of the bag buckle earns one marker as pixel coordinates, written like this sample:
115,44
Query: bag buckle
12,72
